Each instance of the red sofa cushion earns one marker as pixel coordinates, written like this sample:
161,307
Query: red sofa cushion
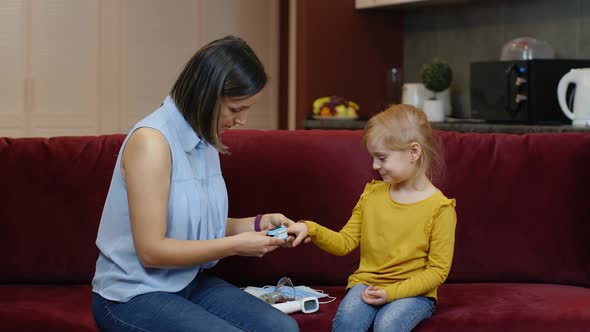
488,307
493,307
482,307
49,308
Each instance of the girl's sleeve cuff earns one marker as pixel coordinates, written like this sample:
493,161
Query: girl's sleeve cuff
312,227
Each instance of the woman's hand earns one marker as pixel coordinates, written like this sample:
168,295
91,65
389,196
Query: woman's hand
256,243
374,296
274,220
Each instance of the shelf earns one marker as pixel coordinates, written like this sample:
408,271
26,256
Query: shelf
506,128
455,126
334,124
401,4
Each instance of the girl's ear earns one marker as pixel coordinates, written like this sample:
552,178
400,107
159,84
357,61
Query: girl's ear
415,151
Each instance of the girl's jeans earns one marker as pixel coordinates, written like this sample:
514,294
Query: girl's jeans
400,315
206,304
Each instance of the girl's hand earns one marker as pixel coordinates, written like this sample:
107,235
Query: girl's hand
256,243
374,296
299,229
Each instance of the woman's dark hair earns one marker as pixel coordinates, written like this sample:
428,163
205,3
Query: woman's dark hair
225,67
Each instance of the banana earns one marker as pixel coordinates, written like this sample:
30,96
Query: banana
318,103
334,106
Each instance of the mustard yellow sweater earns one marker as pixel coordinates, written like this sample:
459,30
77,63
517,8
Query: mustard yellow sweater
406,249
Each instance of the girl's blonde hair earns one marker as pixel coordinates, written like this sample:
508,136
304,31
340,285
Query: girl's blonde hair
400,125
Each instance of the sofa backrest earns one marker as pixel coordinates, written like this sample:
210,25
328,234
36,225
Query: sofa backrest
315,175
521,203
523,214
51,196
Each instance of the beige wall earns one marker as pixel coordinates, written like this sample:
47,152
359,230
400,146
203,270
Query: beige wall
71,67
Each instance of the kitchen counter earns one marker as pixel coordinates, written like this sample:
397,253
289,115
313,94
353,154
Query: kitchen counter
455,125
334,124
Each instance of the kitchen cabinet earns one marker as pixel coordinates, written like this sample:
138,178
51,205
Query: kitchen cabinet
155,40
71,67
400,4
362,4
49,69
149,59
12,68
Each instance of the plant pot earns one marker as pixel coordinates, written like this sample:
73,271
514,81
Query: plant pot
434,109
415,94
445,96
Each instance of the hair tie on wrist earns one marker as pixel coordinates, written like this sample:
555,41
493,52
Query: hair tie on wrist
257,222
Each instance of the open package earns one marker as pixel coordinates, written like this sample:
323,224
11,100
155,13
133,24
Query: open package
288,298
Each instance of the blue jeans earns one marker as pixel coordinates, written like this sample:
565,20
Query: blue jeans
206,304
400,315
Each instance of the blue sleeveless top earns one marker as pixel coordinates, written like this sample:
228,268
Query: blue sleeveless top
197,210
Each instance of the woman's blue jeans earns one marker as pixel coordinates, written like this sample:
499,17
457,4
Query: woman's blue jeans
400,315
206,304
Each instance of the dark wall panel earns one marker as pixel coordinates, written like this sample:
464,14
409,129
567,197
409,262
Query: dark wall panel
346,52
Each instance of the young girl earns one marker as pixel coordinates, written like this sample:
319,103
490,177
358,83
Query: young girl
404,225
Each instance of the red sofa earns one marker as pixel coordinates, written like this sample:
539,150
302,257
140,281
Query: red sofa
522,255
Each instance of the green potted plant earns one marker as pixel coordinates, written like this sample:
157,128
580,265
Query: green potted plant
437,77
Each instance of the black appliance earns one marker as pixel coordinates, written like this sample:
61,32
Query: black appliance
519,91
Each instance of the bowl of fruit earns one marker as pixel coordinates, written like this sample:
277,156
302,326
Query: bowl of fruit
335,108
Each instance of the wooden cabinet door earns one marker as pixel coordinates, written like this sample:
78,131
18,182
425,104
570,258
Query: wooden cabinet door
256,21
360,4
87,67
64,68
158,38
13,81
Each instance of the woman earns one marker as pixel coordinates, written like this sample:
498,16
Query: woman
165,217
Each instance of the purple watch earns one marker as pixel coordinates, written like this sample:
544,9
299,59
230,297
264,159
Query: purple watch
257,222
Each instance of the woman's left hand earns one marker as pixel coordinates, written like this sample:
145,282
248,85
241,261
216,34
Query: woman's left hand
274,220
374,296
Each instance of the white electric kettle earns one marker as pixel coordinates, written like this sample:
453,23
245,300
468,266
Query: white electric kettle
580,114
